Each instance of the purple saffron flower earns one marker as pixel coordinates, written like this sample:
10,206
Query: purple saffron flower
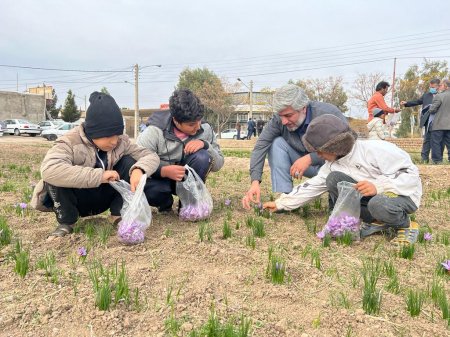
199,211
131,232
446,265
338,225
321,235
23,205
427,236
82,252
227,202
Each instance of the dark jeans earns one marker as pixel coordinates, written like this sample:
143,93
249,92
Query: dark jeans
439,140
71,203
426,146
391,211
250,133
160,191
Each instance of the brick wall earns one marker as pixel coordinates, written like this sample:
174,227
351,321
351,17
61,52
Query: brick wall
407,144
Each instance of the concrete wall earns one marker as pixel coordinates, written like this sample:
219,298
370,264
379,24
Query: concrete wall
18,105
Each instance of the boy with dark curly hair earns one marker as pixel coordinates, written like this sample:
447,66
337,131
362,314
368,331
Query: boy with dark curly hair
179,137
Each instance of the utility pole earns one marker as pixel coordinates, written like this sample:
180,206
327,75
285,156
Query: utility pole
393,83
251,100
391,128
85,105
45,105
136,101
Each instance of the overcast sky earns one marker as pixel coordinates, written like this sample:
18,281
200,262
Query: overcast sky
268,42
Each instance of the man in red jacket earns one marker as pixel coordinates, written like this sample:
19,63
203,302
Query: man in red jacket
377,100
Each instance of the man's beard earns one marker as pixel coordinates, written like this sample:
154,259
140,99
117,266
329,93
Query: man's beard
301,119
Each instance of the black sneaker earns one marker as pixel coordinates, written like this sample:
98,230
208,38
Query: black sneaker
166,211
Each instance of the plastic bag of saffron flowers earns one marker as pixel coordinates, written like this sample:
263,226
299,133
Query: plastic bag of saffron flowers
136,213
196,202
345,216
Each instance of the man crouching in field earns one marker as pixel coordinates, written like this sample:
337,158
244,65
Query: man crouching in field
383,173
77,169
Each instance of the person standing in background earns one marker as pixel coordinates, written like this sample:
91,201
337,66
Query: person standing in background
238,130
377,100
250,128
426,119
440,129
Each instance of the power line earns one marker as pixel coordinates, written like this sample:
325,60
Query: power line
317,50
69,70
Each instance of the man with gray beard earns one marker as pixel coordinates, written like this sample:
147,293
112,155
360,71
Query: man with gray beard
281,140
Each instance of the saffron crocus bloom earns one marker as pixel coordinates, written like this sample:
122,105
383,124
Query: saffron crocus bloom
23,205
321,235
427,236
446,265
227,202
82,252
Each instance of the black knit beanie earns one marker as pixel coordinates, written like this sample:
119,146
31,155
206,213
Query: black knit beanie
103,117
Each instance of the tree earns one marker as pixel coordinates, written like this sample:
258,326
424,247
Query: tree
70,112
105,91
329,90
214,93
51,105
364,87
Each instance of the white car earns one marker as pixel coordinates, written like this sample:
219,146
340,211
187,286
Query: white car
231,134
52,134
18,127
44,125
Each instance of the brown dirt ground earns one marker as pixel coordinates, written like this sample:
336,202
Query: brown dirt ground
225,273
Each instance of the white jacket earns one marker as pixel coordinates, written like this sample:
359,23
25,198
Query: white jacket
376,128
382,163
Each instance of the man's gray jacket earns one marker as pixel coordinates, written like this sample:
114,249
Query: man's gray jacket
441,110
276,129
160,138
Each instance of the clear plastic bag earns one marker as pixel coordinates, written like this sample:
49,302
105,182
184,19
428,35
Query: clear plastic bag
136,212
196,202
345,216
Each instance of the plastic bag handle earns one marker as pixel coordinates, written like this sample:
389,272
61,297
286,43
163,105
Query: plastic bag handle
192,171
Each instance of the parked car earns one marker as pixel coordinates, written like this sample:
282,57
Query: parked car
231,134
18,127
44,125
52,134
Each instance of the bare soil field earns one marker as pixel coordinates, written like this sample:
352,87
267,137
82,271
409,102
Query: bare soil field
184,271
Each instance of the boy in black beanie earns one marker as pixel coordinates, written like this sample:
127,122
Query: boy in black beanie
76,170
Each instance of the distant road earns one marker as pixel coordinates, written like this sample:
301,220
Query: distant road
25,139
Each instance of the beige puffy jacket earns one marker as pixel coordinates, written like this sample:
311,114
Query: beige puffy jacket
71,161
376,129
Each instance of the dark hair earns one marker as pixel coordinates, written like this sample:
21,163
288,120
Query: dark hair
382,85
435,81
185,106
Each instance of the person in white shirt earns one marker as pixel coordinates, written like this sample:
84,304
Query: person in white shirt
376,126
383,173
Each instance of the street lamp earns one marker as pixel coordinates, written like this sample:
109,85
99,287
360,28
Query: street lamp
250,115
